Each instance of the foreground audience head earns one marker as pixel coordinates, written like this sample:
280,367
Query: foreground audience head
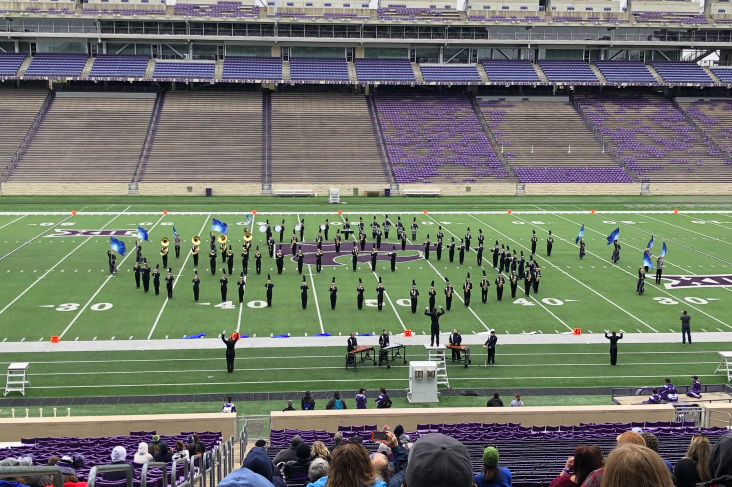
598,454
351,467
296,440
585,461
337,438
720,461
319,450
490,471
68,465
631,437
631,465
381,466
319,468
436,460
699,452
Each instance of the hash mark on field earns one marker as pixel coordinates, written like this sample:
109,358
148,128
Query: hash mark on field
22,339
705,331
76,339
94,338
112,338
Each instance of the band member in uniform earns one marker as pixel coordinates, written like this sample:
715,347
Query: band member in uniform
373,258
164,253
269,287
502,259
521,263
414,228
319,241
196,284
400,226
156,279
271,246
467,238
537,277
300,258
112,259
176,241
432,295
327,227
484,285
282,230
438,249
582,248
258,260
495,252
338,242
514,261
378,238
230,260
380,295
481,237
451,250
137,270
435,324
213,240
533,241
549,244
640,288
169,283
241,284
352,342
413,295
302,230
647,251
387,226
613,346
374,226
403,238
461,253
304,293
427,248
659,269
490,344
467,287
138,252
268,231
514,284
455,339
333,294
528,276
222,249
362,240
479,251
245,260
293,244
224,285
500,281
354,257
359,294
392,256
280,260
194,251
145,276
384,343
318,260
448,294
616,251
346,229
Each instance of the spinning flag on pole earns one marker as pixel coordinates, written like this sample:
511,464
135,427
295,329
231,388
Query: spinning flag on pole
650,244
249,219
580,234
613,236
219,226
142,234
647,260
117,245
663,251
175,232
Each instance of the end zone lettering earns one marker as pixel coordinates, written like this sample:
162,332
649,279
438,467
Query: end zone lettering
58,232
711,280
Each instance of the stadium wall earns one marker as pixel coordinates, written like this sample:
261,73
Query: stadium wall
527,416
482,189
55,189
98,426
710,188
199,189
583,189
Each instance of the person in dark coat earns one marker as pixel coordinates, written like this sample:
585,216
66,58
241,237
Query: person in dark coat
613,346
435,324
230,351
164,454
304,293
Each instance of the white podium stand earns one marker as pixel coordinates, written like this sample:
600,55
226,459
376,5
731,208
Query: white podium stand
17,378
422,382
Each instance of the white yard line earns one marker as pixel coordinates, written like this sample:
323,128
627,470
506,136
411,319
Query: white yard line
712,223
180,273
241,305
102,286
660,289
315,296
687,230
52,268
53,227
13,221
572,277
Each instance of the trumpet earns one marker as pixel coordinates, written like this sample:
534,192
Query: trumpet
196,240
223,239
247,235
164,241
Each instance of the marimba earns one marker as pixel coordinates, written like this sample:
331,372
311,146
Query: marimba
394,351
464,350
351,356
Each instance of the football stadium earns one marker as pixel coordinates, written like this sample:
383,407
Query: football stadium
330,244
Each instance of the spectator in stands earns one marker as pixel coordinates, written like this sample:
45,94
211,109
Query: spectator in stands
194,445
68,465
155,445
629,437
142,455
380,463
181,453
351,466
318,473
361,399
164,453
308,402
720,461
598,454
437,460
401,457
28,460
289,407
577,468
288,454
320,451
229,406
259,462
694,467
200,447
298,469
243,477
336,402
668,392
492,474
632,465
654,398
652,443
495,401
517,402
383,401
119,457
11,481
53,460
337,439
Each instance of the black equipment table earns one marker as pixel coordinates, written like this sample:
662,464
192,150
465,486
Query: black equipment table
390,353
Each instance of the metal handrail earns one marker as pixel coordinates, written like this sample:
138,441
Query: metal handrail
243,441
174,472
126,467
701,130
143,475
12,472
192,476
383,155
727,423
40,117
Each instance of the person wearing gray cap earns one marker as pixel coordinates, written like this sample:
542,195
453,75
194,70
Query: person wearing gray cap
436,460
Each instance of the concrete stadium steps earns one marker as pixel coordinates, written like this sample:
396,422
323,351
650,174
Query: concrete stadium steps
598,73
324,138
417,73
87,138
88,67
655,73
352,76
540,73
212,137
19,109
711,74
24,66
150,69
286,71
482,73
713,117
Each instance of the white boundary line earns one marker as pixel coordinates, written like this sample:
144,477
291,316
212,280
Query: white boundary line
180,273
13,221
692,231
241,305
315,295
414,213
660,289
102,286
55,265
52,227
572,277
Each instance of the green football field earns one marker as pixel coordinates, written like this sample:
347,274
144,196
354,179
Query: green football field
55,281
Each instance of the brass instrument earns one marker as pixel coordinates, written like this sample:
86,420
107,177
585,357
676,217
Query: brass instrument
223,239
196,240
164,241
247,235
164,251
195,250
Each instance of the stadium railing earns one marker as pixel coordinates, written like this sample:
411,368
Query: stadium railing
12,472
126,468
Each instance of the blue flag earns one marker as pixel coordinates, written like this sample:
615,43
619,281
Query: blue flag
249,219
219,226
613,236
647,260
175,232
663,251
650,244
117,245
142,234
580,234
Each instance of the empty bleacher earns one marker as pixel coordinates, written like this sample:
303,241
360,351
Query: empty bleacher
681,72
323,138
19,109
625,72
450,73
241,67
56,65
184,70
87,139
119,66
655,140
714,117
557,70
305,68
724,74
212,137
10,64
384,70
510,70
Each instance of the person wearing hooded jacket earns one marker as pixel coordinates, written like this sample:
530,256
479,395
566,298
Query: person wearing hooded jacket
300,465
119,457
332,403
142,455
244,477
720,462
164,454
259,462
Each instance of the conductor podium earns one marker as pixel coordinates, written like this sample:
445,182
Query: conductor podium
422,382
17,378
